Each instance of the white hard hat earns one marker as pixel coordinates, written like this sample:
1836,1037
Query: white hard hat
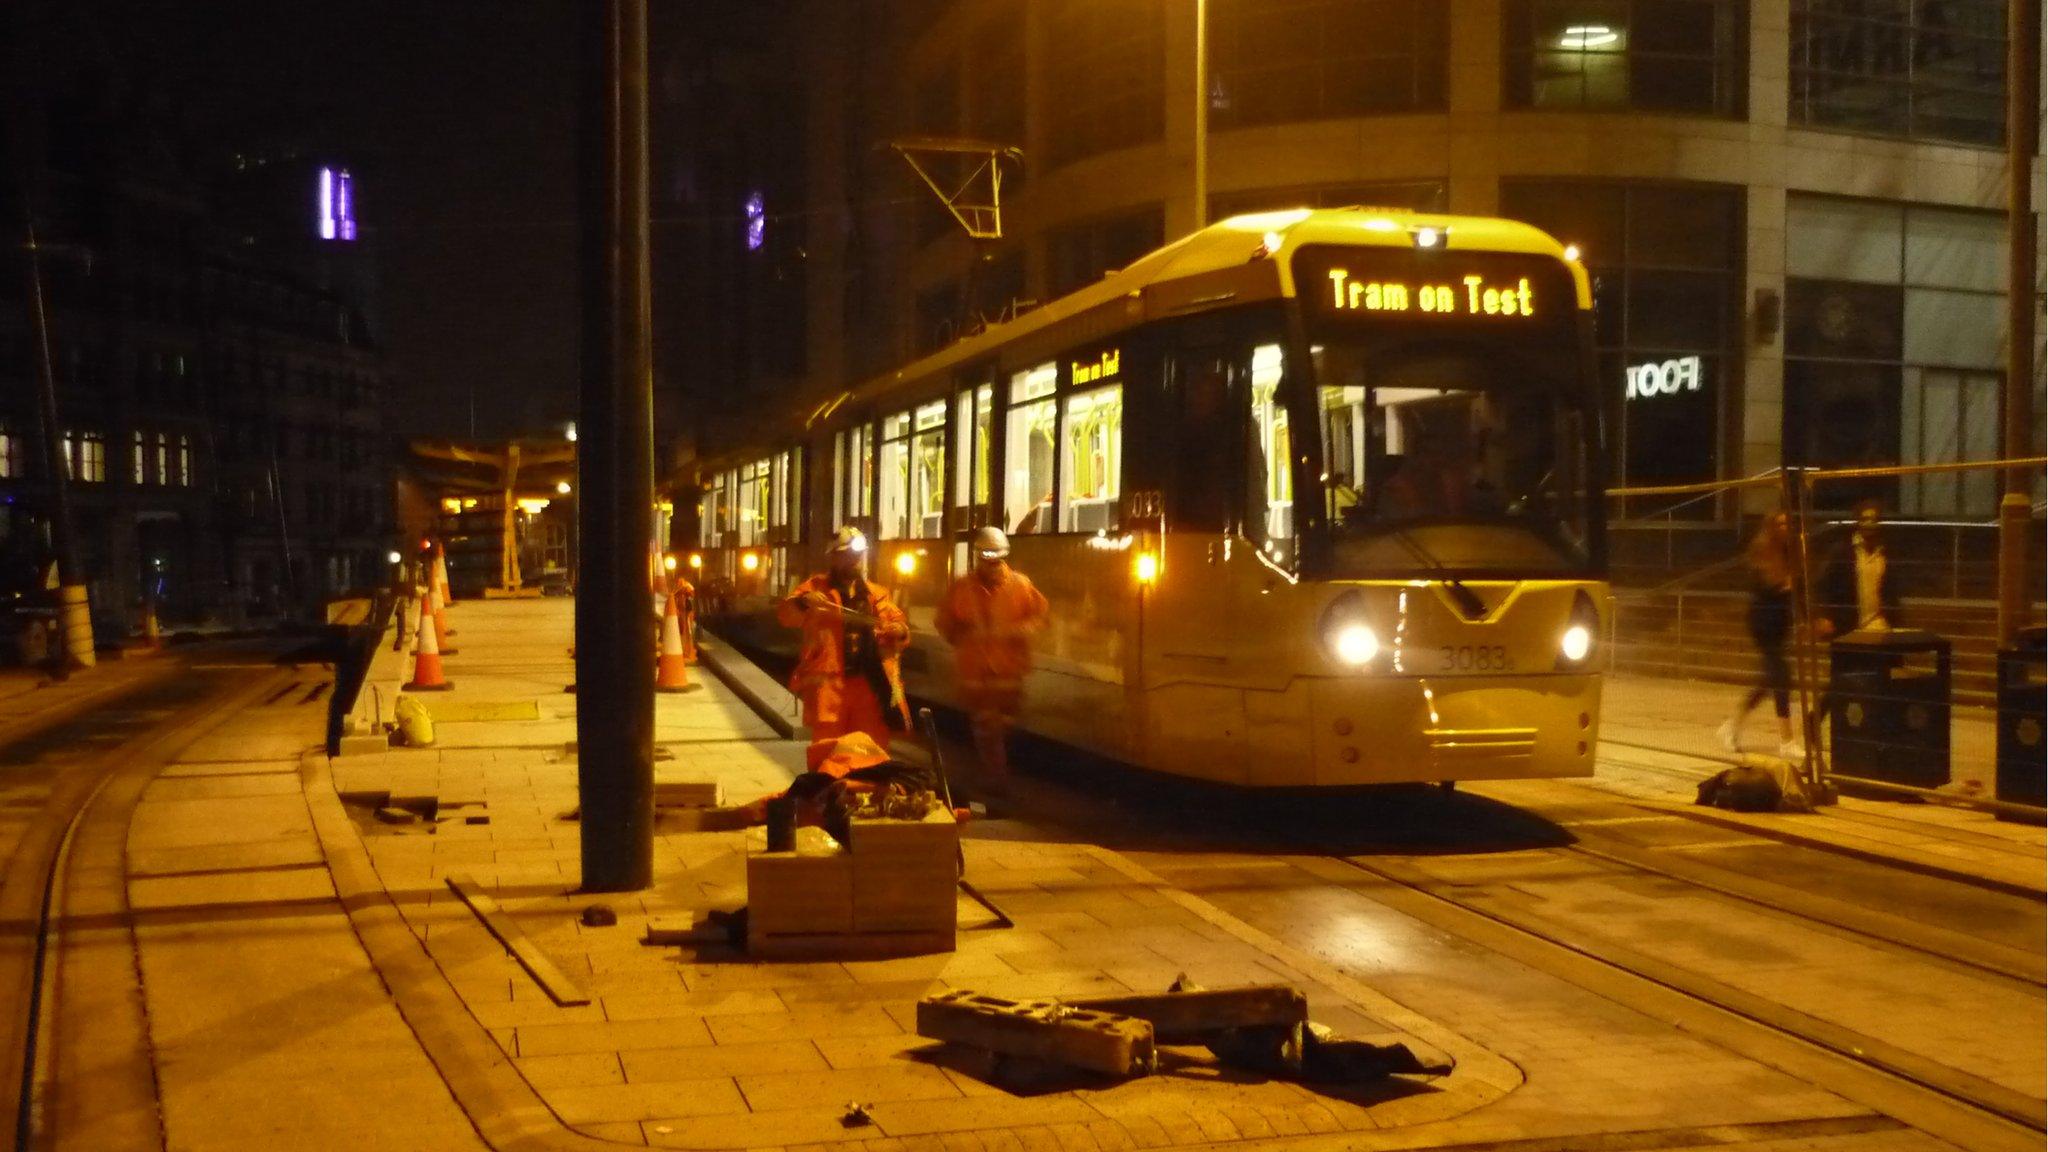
848,539
990,541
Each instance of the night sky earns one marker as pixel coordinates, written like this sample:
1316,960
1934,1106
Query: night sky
457,118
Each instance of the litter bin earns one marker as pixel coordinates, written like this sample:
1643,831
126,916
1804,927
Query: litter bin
1888,698
2022,699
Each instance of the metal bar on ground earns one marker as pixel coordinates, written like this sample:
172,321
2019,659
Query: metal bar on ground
555,982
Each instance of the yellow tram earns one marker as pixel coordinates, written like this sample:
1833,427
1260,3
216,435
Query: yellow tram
1316,497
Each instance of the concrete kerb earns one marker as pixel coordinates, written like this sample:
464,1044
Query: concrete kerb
506,1111
774,703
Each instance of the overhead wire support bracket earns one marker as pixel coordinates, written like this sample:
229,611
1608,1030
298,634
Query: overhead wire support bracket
977,202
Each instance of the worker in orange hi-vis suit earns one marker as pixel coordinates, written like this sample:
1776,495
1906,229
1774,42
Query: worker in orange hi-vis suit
847,673
988,617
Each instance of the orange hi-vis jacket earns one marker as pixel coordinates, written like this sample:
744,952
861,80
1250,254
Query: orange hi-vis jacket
990,627
821,669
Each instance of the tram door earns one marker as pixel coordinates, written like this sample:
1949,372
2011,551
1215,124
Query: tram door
1194,709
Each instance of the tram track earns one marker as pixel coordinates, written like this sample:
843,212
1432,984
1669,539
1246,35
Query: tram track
1942,1100
150,724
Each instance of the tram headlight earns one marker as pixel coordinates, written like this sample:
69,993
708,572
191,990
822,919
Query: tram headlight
749,561
1581,635
1576,642
906,563
1355,644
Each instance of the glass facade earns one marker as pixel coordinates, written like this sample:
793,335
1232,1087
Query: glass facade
1688,56
1894,345
1107,73
1272,61
1931,69
1666,263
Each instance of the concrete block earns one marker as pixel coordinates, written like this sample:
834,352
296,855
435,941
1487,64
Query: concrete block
364,745
908,898
809,890
1040,1030
1189,1017
677,793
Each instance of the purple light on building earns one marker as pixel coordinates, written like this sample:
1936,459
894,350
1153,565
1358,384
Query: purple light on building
337,205
757,221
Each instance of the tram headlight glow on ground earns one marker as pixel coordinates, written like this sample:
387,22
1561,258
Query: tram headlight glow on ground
1355,645
749,561
906,563
1576,642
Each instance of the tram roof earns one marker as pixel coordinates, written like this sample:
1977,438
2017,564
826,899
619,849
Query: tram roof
1229,251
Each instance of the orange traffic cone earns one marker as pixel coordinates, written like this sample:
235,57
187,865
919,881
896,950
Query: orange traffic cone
671,671
444,597
426,669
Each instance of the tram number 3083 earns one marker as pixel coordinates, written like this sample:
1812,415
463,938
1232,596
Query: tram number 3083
1475,658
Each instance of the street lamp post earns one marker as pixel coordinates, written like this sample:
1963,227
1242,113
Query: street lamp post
1201,113
615,478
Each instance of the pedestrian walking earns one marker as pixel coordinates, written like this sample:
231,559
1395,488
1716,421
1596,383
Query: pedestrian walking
1772,571
988,617
853,634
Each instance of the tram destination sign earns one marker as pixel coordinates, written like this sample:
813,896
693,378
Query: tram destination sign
1436,288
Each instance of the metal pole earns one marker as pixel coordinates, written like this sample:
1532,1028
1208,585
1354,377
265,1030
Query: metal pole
74,607
615,484
1201,113
2022,133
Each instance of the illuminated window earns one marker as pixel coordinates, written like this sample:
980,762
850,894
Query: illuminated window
161,448
1028,450
184,460
336,210
85,456
1932,70
892,497
853,494
928,472
971,447
1270,518
139,453
1655,55
1092,459
13,466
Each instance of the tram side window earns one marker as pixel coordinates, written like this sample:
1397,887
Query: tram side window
928,471
1269,482
971,411
1028,451
1091,469
892,511
853,486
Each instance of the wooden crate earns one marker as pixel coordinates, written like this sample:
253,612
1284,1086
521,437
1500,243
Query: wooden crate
906,874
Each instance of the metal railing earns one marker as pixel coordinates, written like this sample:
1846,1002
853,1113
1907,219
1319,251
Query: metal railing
1797,489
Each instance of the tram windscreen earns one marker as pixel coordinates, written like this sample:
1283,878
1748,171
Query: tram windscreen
1455,437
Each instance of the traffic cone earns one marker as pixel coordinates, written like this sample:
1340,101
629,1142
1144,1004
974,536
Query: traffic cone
444,595
671,671
426,669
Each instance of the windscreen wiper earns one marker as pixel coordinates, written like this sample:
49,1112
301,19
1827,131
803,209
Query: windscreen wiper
1469,603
